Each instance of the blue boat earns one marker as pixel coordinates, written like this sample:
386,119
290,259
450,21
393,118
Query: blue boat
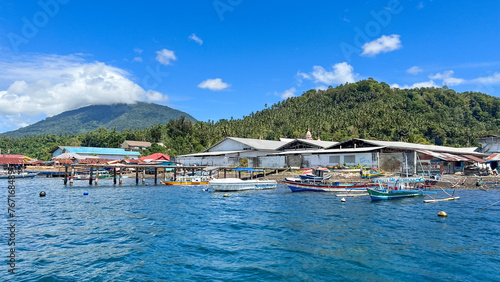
396,188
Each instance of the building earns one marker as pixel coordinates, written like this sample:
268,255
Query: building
490,144
156,157
93,152
130,145
18,161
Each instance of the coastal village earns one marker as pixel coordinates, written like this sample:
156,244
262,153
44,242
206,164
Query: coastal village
284,155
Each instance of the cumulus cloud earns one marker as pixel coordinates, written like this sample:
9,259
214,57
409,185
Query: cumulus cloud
287,93
49,85
138,59
447,78
429,83
383,44
341,73
493,79
165,57
196,39
213,84
414,70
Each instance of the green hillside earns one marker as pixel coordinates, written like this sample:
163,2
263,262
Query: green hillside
120,116
366,109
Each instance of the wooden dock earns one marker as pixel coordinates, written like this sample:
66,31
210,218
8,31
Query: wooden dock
140,171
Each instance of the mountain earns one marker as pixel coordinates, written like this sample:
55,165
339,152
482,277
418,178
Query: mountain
120,116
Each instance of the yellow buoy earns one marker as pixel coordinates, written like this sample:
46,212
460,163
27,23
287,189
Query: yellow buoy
443,214
342,200
226,195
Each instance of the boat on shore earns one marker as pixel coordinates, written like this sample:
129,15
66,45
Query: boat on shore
396,188
317,174
296,185
372,173
236,184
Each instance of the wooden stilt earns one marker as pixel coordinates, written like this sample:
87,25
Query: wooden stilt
72,176
114,175
90,178
224,172
120,182
97,176
136,176
65,175
156,175
144,177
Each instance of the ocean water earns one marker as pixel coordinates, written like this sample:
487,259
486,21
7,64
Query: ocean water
151,233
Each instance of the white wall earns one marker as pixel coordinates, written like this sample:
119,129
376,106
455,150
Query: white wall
228,145
365,159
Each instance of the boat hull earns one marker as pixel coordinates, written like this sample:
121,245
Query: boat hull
235,184
321,187
377,195
19,175
170,183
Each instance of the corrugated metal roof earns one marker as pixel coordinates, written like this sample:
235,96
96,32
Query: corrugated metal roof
415,146
218,153
474,158
444,156
138,143
329,151
255,144
100,151
316,143
493,158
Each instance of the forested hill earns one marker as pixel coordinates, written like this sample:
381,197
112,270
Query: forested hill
120,116
371,110
365,109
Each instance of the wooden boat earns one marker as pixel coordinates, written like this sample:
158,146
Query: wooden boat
374,172
236,184
5,175
296,185
188,180
395,188
315,174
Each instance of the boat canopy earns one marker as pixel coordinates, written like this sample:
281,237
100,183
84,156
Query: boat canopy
398,179
247,169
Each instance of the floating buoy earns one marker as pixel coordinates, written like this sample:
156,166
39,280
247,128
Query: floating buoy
203,190
443,214
226,195
85,193
42,194
342,200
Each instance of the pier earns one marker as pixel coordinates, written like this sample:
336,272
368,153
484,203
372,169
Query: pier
116,172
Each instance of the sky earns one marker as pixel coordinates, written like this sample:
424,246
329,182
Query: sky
223,59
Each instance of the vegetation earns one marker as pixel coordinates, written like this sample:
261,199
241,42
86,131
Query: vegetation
366,109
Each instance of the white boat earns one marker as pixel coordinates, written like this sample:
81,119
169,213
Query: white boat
236,184
5,175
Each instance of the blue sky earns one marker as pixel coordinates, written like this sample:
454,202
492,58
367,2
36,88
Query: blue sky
227,58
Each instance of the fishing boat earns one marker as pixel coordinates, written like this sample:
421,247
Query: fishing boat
296,185
236,184
395,188
317,174
372,173
188,180
5,175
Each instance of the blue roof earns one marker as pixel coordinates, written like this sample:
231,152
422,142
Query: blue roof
101,151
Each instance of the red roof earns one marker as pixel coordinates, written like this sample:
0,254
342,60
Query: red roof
156,157
11,159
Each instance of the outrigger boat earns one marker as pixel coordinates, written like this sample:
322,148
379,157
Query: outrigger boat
236,184
395,188
5,175
374,172
296,185
188,180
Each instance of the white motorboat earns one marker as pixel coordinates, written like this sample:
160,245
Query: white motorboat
236,184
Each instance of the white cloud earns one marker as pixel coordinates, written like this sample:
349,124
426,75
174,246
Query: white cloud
138,59
493,79
287,93
447,78
342,73
429,83
165,56
50,84
196,39
213,84
138,50
414,70
383,44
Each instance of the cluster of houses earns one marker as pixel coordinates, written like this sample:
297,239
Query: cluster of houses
289,153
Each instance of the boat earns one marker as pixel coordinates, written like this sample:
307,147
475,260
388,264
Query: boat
236,184
395,188
315,174
5,175
188,180
374,172
297,185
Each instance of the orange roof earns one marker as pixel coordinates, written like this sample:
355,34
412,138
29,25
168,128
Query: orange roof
156,157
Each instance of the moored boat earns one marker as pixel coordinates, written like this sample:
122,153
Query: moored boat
188,180
236,184
395,188
5,175
296,185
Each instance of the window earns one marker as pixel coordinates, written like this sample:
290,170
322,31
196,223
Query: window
350,159
334,160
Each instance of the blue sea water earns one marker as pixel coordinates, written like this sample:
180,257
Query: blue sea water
150,233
